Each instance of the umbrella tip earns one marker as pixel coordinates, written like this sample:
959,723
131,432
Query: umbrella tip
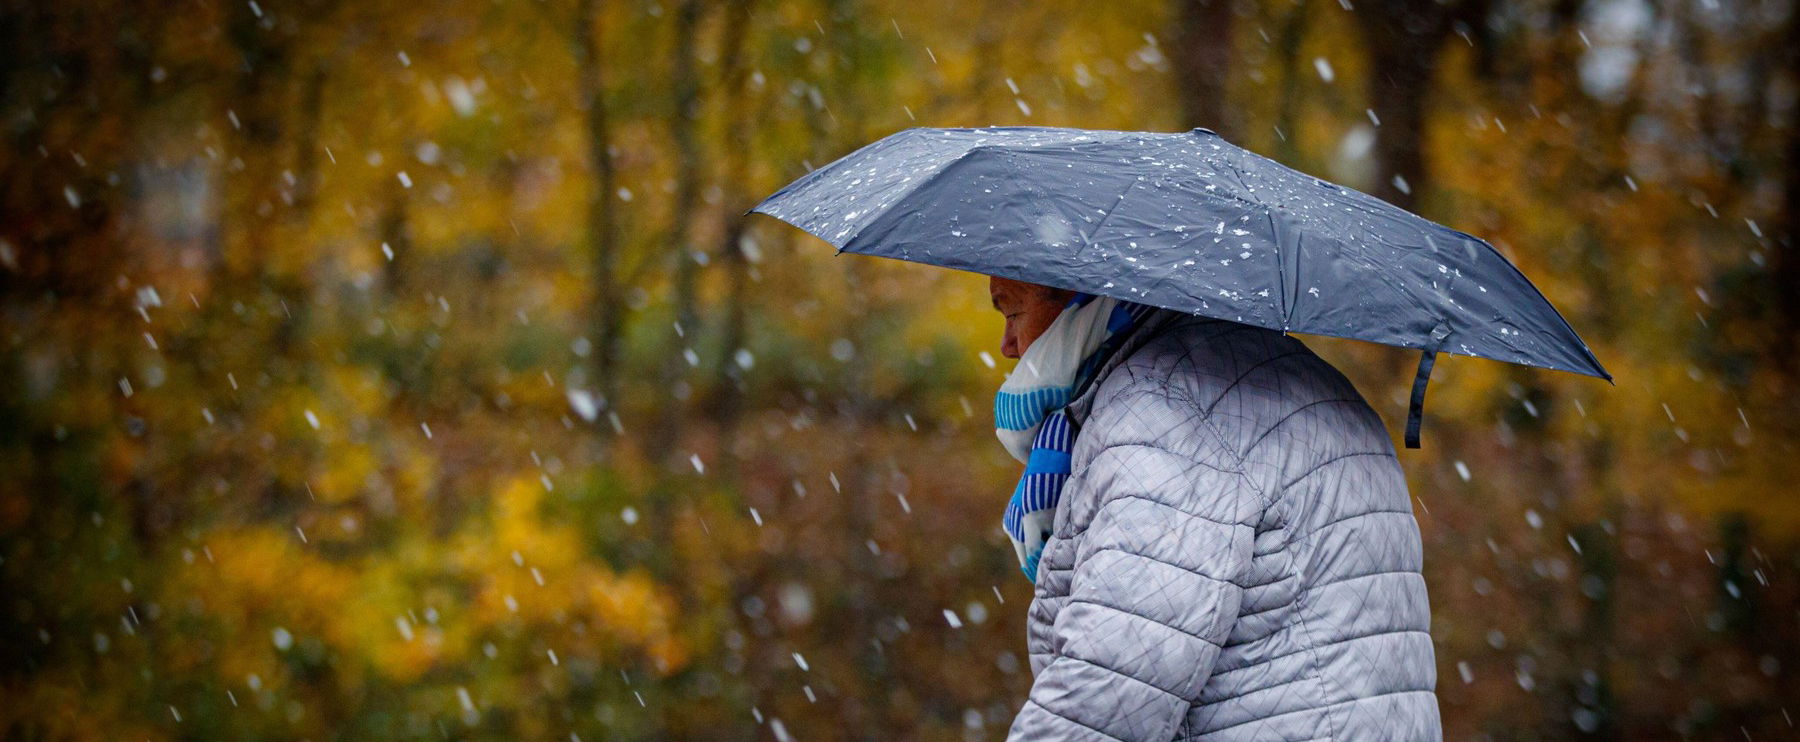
1204,130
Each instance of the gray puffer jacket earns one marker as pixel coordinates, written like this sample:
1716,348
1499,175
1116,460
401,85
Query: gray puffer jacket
1234,556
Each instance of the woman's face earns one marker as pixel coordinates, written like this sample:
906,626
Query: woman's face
1029,309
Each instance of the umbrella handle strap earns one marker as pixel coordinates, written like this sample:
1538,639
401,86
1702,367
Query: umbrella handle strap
1415,412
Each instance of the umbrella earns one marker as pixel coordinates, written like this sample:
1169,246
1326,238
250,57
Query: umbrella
1188,222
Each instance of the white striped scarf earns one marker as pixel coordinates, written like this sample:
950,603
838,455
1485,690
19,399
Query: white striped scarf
1028,411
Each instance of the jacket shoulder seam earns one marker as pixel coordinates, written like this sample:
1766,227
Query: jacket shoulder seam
1290,415
1321,465
1201,415
1223,393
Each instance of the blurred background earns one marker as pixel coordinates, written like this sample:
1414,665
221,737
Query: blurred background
408,371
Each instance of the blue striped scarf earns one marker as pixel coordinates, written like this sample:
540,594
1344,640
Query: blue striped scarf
1029,411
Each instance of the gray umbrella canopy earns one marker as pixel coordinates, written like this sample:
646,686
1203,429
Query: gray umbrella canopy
1189,222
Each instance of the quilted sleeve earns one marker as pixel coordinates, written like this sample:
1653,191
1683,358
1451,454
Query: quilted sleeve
1156,588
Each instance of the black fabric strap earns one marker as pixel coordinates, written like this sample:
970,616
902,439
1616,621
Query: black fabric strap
1415,413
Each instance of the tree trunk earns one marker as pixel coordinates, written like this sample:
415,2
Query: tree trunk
1403,39
256,110
1202,59
1785,263
602,227
1287,116
726,400
306,149
395,232
685,86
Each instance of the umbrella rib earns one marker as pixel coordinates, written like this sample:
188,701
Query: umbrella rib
1290,285
1095,232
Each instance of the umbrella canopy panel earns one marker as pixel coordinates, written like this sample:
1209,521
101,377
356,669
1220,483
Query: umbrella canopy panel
1185,221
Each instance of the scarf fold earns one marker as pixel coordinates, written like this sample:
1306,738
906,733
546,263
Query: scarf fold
1029,415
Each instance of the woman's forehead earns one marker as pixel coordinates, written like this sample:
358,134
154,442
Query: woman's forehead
1007,286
